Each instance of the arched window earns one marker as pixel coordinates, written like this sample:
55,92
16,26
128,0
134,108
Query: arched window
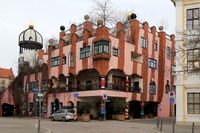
167,87
71,59
152,87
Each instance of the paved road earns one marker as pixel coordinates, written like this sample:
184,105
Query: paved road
27,125
11,125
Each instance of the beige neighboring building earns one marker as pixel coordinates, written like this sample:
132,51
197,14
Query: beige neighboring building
6,77
188,61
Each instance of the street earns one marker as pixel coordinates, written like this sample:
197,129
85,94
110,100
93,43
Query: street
27,125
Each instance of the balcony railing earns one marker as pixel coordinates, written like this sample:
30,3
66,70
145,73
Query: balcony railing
119,87
135,89
88,86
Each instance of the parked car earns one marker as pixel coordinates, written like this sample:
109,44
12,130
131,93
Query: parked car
63,114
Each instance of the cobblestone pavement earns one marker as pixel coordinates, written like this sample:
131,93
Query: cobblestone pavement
27,125
167,127
16,125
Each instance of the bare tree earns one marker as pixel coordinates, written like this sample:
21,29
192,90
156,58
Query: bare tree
188,51
102,10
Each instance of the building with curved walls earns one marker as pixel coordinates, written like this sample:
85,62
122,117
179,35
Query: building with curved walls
132,62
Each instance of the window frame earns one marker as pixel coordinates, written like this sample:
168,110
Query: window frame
192,19
101,47
168,52
115,52
84,52
152,63
193,60
156,46
143,42
193,103
55,61
71,59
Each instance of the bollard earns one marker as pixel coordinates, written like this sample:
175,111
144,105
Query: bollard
173,125
193,127
157,123
161,122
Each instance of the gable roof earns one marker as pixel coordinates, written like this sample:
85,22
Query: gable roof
6,73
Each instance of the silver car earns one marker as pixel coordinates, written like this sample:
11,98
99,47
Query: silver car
63,114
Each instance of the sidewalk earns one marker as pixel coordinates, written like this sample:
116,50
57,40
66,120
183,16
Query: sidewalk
167,127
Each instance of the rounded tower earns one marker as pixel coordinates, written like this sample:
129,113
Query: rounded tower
30,41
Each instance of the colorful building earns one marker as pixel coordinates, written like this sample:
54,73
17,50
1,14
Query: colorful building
188,61
132,62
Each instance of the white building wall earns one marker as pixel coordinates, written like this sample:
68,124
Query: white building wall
189,83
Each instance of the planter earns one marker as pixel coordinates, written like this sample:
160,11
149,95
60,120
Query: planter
85,117
114,117
120,117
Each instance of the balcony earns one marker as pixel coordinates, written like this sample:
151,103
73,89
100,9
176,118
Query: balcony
88,86
135,89
117,87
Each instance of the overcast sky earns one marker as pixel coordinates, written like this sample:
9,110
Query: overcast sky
48,15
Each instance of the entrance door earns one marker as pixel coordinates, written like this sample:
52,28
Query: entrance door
135,109
7,110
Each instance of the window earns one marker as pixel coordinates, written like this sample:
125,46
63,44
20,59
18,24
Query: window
152,63
32,85
152,87
115,51
71,59
168,53
101,47
54,61
156,46
143,42
84,52
64,60
193,103
44,86
192,17
167,87
193,59
173,70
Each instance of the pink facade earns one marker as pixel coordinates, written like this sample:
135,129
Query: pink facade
128,62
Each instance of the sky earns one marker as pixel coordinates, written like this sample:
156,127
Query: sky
48,15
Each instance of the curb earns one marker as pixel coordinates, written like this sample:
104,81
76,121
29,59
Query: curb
48,130
154,130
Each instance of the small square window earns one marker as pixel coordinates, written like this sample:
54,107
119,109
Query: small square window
115,51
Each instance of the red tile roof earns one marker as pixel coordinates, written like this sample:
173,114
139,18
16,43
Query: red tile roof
6,73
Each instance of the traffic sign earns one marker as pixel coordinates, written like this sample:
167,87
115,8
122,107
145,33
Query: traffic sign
40,94
171,100
75,94
171,94
35,90
105,97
